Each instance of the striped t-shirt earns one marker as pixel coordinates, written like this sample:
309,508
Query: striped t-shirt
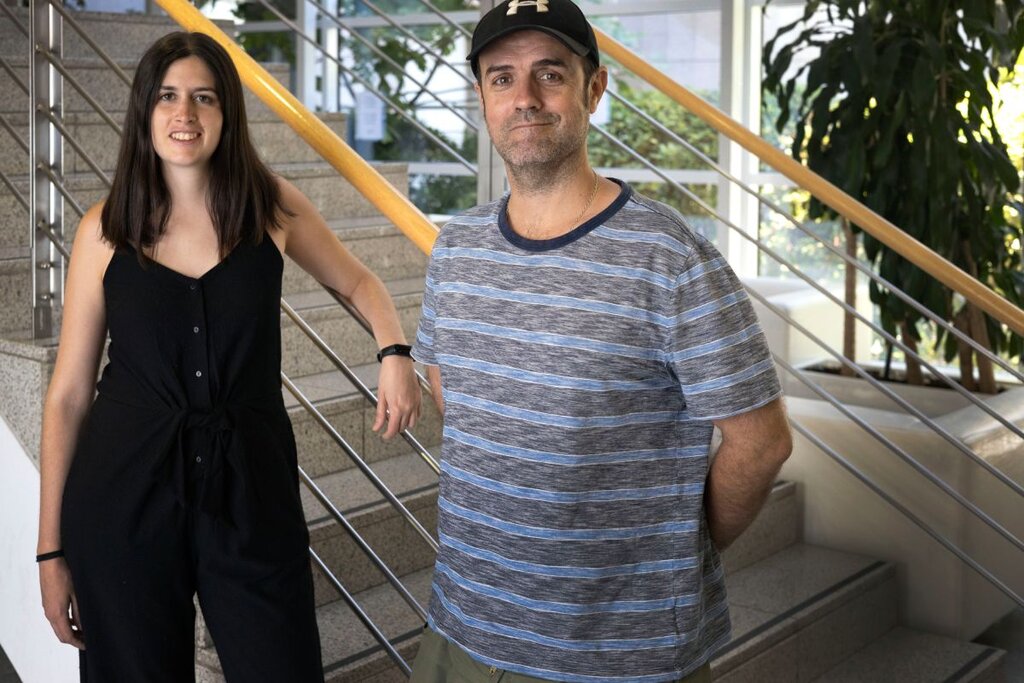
580,377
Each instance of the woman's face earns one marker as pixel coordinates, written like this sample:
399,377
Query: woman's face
187,117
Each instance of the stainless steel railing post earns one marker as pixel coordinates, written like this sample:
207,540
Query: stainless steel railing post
46,157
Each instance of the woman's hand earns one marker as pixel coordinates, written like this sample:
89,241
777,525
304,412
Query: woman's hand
58,599
398,396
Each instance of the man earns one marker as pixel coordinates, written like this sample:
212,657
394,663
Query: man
586,341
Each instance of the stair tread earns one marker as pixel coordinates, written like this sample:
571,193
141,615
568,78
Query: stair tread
351,491
911,656
319,298
781,594
795,574
342,636
331,385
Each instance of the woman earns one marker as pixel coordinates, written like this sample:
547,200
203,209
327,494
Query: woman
180,478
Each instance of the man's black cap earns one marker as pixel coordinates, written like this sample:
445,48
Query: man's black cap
559,18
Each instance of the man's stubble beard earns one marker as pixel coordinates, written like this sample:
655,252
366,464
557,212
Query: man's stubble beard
540,164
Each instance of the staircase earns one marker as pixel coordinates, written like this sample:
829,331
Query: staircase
800,612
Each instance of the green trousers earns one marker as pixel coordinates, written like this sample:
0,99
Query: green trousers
440,661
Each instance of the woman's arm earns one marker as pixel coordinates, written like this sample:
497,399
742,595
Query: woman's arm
67,400
312,245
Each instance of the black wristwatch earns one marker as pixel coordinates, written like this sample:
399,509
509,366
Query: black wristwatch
395,350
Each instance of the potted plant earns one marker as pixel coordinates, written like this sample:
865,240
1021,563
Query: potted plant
896,109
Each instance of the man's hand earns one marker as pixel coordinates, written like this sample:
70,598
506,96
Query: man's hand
754,446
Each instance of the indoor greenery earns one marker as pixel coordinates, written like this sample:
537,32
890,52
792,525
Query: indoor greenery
892,101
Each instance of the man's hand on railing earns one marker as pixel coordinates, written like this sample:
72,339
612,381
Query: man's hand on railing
398,396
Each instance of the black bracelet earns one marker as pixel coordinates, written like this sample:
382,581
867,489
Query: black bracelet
394,350
53,554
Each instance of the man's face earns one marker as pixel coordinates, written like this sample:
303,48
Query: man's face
535,101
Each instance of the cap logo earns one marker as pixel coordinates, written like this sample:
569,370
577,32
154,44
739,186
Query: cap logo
514,5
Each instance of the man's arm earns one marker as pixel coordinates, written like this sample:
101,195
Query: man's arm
754,446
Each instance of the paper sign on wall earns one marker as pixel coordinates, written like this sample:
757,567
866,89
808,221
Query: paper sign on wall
369,117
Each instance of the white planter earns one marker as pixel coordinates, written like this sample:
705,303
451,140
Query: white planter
940,593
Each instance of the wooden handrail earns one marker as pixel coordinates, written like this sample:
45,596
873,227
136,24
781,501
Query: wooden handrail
843,204
364,177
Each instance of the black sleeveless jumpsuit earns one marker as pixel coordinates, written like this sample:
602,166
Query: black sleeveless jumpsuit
184,481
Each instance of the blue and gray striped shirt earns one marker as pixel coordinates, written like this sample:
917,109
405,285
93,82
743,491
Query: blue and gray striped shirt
581,375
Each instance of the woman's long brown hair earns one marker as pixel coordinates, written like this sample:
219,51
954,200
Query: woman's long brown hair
243,199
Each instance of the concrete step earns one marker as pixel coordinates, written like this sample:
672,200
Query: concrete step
121,36
25,370
391,536
349,652
911,656
340,330
352,417
276,142
109,91
15,294
379,245
801,611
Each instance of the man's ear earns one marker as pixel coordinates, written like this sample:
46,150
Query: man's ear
598,84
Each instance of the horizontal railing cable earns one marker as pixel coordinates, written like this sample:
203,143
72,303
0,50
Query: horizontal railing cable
358,461
54,239
59,66
419,41
899,507
14,19
70,139
895,449
440,13
387,58
338,363
847,258
382,566
70,20
14,134
64,192
14,190
370,88
954,385
360,614
13,74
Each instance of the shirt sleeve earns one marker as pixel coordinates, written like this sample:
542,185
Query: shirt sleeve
716,347
423,346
